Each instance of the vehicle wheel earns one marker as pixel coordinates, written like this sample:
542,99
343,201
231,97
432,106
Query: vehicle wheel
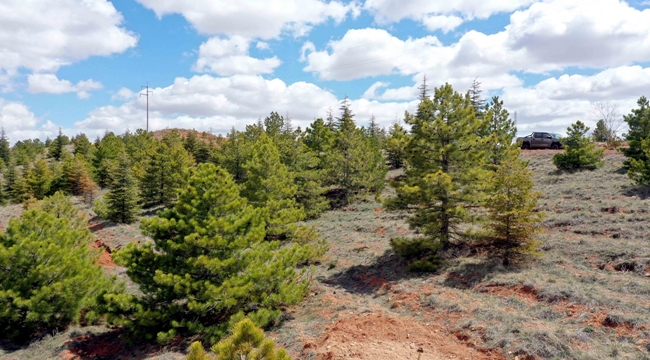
554,147
525,146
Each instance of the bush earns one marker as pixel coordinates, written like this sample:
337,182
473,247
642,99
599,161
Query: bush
421,253
580,151
209,264
47,271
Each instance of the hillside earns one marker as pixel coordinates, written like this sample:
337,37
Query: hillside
585,297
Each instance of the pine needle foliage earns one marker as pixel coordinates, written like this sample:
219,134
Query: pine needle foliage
512,221
122,201
580,152
248,342
39,179
500,128
396,145
638,138
47,271
209,263
271,185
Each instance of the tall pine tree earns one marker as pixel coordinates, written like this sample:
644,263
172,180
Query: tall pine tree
270,185
122,198
396,145
501,128
445,161
5,149
39,179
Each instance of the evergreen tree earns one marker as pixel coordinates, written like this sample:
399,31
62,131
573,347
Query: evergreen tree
140,147
5,148
39,179
47,271
475,98
580,152
638,122
355,164
600,134
396,145
330,122
248,342
445,161
233,154
209,264
197,147
82,145
122,199
108,150
20,190
9,180
25,152
318,138
346,113
164,173
75,172
270,185
56,149
3,196
511,202
501,128
375,133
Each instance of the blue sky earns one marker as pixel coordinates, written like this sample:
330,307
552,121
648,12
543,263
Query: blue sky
79,65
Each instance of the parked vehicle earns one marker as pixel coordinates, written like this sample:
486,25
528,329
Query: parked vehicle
540,140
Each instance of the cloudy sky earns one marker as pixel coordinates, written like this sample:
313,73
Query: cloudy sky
214,64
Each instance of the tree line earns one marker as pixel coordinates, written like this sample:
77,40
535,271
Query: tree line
229,245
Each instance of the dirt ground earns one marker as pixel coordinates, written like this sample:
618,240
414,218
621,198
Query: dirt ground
585,297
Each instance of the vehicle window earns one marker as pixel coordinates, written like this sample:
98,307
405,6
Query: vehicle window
548,136
538,136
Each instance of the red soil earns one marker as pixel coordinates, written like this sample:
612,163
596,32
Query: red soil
377,336
105,259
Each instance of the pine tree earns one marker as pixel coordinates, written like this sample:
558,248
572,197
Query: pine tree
122,199
270,185
5,149
82,145
375,133
140,147
330,121
600,133
248,342
638,121
47,271
233,154
318,138
209,264
39,179
502,129
579,150
20,190
75,170
3,196
164,172
355,164
475,98
445,161
396,145
511,202
108,150
56,149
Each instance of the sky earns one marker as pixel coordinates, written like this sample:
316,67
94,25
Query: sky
80,65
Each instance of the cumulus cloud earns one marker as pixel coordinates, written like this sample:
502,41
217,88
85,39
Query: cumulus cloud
43,35
230,56
50,84
253,18
372,90
124,94
547,36
20,123
450,12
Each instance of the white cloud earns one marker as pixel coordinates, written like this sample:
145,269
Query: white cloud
446,23
372,90
429,12
50,84
400,94
261,45
555,103
20,123
253,18
231,56
124,94
205,101
43,35
548,36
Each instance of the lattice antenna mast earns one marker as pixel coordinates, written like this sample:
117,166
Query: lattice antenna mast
146,93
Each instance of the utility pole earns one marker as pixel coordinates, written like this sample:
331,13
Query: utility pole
146,93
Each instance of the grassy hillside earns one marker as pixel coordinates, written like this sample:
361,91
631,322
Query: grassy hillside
585,297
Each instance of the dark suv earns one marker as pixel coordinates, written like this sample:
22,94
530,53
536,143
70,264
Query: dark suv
540,140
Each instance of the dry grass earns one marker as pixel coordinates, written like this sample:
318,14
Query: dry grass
586,297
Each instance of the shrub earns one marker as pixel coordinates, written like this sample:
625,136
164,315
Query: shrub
580,151
209,264
47,271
